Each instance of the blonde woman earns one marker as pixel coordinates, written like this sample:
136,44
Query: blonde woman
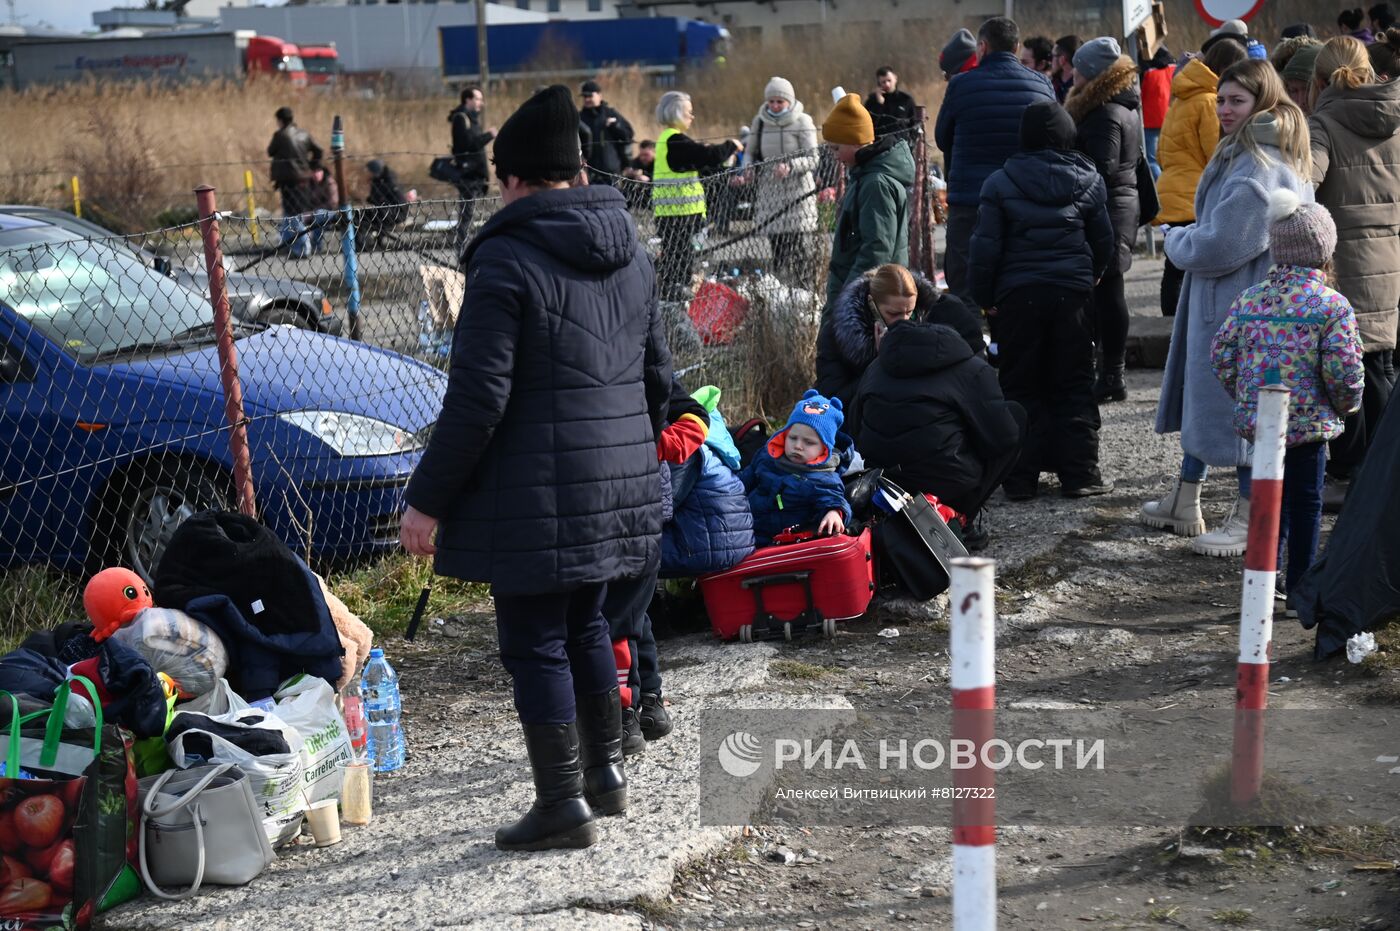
1356,167
1263,147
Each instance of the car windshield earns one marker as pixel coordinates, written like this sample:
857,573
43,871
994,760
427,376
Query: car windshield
315,65
93,300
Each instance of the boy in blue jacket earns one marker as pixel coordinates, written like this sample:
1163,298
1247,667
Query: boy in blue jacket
795,481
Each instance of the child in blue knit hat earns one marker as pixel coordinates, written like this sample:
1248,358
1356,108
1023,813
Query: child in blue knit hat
795,480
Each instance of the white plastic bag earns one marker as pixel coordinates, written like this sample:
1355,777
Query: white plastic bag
221,699
276,777
308,704
1361,646
179,646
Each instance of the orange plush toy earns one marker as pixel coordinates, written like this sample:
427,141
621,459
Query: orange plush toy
112,600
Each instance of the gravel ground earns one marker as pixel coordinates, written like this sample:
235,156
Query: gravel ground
1075,577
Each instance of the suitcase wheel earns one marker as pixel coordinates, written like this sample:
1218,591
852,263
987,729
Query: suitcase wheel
746,634
828,628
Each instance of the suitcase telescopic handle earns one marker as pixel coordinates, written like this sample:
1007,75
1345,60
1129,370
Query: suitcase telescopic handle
786,578
763,619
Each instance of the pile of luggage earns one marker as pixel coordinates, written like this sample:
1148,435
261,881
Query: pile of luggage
218,683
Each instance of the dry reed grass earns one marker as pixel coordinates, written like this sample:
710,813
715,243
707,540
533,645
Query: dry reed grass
139,149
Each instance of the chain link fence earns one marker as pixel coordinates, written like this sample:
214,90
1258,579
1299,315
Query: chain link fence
117,394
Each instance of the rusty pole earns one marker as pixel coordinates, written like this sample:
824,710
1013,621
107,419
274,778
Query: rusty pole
228,353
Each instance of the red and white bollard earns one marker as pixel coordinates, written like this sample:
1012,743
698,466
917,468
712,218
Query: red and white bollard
973,675
1257,595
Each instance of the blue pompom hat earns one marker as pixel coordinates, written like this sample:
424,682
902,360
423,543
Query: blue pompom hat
822,414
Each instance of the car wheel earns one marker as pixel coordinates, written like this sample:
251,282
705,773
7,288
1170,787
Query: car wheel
289,316
154,503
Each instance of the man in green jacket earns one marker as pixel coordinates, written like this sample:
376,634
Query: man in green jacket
873,226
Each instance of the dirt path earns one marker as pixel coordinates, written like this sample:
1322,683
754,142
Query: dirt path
1093,610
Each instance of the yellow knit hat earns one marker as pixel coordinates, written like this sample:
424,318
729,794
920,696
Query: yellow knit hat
849,123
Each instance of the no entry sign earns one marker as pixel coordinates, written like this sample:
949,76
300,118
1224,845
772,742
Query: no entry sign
1217,12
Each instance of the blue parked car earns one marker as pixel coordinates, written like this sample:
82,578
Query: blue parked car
112,424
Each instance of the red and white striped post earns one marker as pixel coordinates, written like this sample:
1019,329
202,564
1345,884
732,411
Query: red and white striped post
1257,595
973,675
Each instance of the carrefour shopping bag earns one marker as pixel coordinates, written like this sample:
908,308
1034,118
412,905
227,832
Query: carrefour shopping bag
67,817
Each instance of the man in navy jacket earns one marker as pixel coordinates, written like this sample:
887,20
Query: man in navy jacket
978,129
540,476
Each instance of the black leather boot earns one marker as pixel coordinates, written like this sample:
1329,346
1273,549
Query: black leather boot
600,732
1111,386
560,817
655,720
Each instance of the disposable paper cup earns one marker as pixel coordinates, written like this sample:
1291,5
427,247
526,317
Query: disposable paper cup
355,803
324,819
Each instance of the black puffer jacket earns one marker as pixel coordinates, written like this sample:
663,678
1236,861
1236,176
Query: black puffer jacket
542,466
469,142
1108,113
1042,221
932,414
846,342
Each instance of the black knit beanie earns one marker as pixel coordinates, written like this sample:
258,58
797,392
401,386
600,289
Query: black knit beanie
1046,125
540,140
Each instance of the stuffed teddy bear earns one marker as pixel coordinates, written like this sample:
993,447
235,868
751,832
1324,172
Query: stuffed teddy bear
355,637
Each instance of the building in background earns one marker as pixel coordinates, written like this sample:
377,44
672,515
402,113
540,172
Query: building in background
400,39
804,20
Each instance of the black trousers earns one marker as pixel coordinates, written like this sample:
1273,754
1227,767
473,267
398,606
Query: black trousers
1172,277
962,218
677,262
625,608
555,646
1110,303
791,253
1350,448
1047,366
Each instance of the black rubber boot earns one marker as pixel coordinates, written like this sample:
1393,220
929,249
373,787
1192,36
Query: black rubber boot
1111,386
600,732
633,742
655,721
560,817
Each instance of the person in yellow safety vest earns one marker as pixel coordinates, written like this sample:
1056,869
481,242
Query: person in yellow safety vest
678,196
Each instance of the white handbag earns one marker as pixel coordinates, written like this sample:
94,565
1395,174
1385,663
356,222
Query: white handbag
187,813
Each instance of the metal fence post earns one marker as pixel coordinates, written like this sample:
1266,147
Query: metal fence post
252,205
228,353
347,236
972,643
77,197
916,212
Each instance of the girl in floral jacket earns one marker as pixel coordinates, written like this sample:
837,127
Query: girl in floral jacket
1291,329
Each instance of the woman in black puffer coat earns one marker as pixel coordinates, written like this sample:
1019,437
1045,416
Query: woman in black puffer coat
866,307
933,417
1106,106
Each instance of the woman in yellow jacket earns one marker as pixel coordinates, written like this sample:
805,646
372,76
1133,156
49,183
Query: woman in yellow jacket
1189,136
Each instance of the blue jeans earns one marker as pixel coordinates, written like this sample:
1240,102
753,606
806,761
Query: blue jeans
293,231
1194,470
1152,136
1300,518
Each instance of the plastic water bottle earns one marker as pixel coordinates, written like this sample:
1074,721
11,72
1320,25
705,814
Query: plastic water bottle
355,726
382,706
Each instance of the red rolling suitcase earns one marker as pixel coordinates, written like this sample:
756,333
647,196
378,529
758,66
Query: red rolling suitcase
785,591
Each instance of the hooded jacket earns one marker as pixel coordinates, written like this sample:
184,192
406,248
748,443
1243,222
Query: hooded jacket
1190,133
846,341
933,415
1107,112
873,225
784,494
1356,166
712,529
542,466
784,205
979,122
1156,80
1043,222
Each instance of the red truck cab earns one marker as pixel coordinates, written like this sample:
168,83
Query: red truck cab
322,64
271,55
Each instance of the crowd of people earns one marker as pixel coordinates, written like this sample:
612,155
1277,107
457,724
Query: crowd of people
570,467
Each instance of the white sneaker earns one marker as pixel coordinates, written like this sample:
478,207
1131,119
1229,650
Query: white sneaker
1178,511
1230,539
